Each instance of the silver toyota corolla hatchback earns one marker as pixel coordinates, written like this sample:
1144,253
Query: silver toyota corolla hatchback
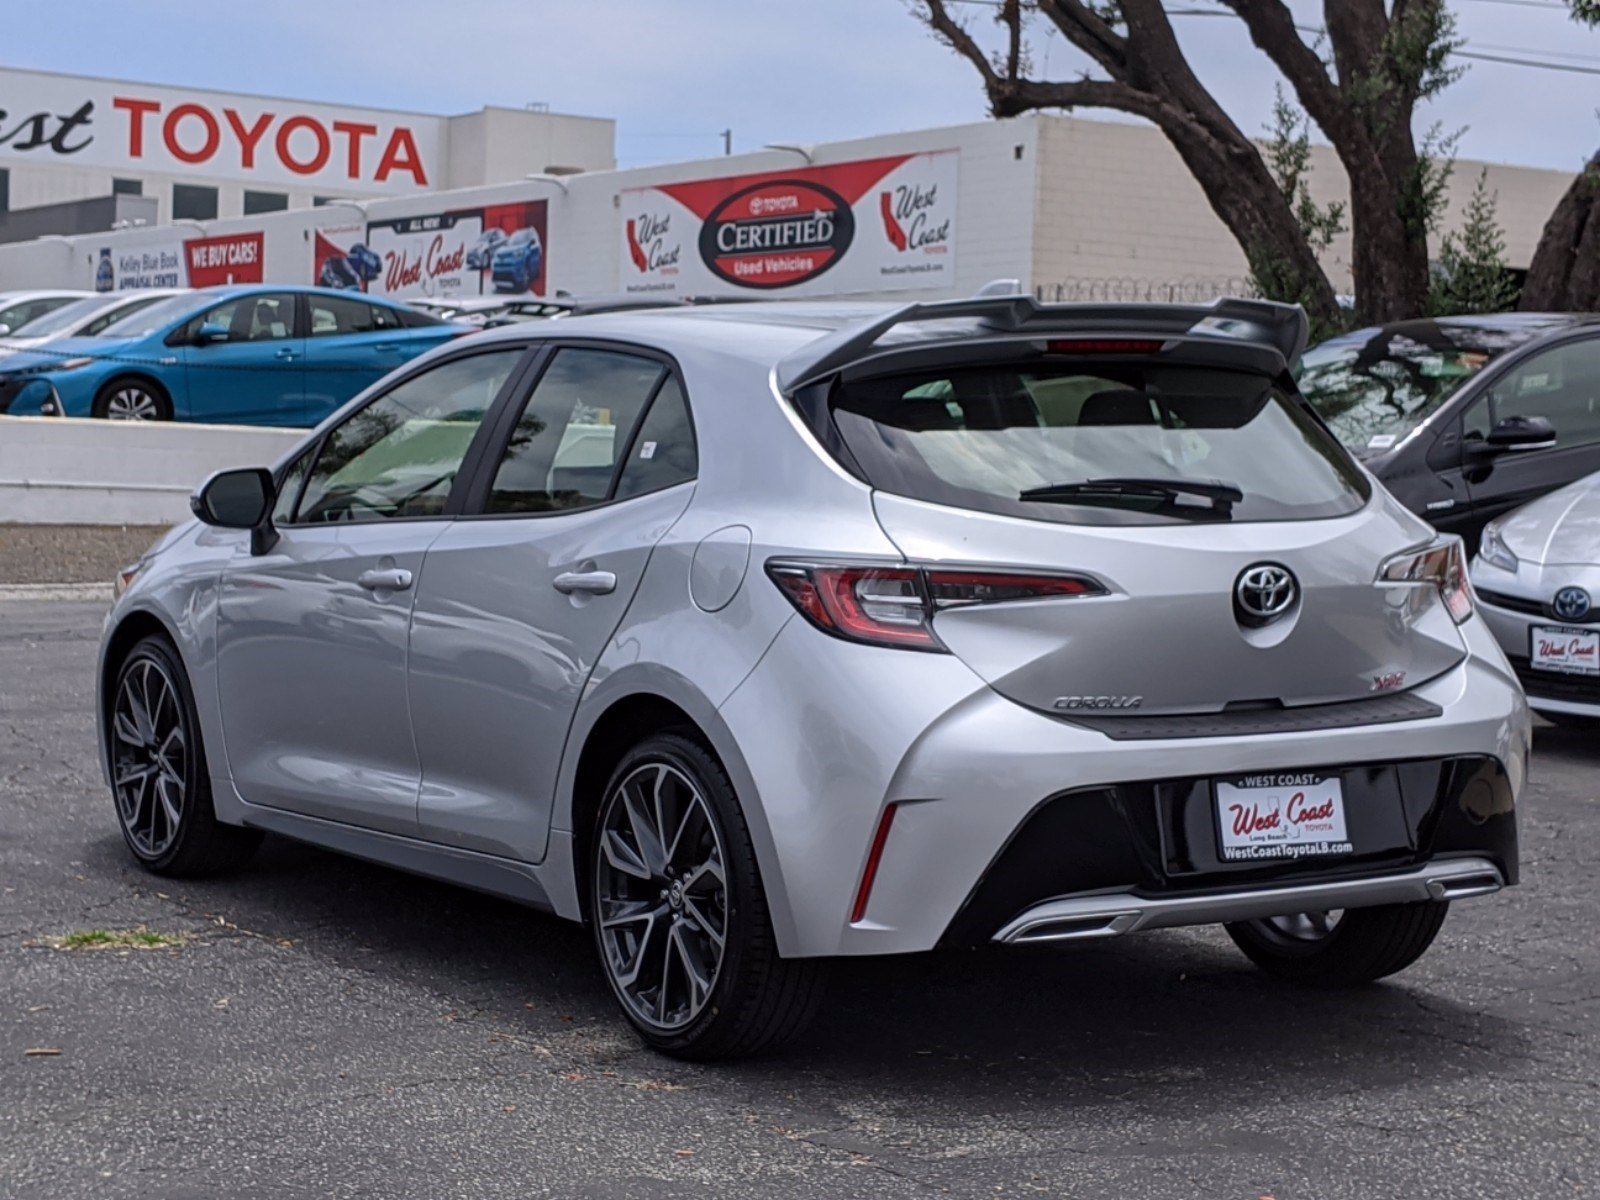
761,634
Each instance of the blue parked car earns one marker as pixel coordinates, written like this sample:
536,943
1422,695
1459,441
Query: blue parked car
517,262
259,355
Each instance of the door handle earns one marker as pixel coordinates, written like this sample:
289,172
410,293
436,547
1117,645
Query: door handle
386,346
286,354
394,579
595,583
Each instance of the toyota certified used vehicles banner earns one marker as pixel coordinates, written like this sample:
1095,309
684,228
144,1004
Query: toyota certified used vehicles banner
464,252
882,224
180,262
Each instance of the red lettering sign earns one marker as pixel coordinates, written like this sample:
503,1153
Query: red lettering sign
234,258
195,135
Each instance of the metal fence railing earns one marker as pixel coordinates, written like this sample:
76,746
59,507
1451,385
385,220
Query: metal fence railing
1129,289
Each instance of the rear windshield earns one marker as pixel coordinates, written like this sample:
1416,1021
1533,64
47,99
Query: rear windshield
1142,444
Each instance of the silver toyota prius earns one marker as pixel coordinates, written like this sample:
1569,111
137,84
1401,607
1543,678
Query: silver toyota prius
1537,575
761,634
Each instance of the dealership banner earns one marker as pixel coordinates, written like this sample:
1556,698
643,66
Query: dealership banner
178,262
501,248
878,225
341,258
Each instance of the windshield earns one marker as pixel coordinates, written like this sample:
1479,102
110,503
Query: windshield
142,322
1098,445
64,319
1374,386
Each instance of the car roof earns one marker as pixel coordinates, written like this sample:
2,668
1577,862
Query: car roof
759,331
805,341
226,291
1493,332
20,294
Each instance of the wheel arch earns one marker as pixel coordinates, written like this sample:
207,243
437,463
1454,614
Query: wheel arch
131,628
618,716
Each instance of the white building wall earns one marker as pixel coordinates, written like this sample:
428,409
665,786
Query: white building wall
1116,205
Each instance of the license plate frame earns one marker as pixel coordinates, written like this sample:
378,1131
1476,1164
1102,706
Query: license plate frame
1579,656
1280,816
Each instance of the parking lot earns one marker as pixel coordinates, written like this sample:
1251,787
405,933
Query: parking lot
330,1029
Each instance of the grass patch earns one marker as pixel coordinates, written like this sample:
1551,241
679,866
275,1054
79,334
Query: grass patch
116,939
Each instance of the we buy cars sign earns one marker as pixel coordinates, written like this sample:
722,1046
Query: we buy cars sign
219,260
877,225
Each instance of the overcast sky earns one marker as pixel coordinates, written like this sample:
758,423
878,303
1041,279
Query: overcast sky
674,73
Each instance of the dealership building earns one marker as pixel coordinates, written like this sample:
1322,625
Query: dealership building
207,155
249,189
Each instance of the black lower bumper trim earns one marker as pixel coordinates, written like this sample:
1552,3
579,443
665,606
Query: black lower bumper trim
1158,838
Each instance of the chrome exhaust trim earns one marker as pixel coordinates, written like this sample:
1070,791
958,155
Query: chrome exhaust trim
1084,918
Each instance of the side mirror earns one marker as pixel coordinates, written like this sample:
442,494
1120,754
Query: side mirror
210,332
1518,435
4,329
239,499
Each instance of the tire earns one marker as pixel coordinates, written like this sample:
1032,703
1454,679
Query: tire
663,905
162,796
125,398
1362,944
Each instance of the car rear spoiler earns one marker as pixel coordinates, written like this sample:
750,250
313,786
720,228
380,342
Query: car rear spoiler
1281,328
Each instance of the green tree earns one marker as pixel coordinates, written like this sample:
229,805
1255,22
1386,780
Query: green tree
1471,275
1288,155
1565,272
1359,81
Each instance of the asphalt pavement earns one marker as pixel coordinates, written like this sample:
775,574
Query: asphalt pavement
327,1028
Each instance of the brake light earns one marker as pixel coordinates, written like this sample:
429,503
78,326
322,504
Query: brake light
1442,564
1102,346
895,606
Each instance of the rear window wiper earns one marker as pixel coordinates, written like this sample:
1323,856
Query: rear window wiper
1222,495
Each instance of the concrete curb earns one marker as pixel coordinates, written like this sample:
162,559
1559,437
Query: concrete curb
55,591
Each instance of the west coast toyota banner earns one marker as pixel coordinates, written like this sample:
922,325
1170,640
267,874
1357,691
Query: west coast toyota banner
878,225
501,248
178,262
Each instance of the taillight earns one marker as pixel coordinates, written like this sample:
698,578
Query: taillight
895,606
1443,564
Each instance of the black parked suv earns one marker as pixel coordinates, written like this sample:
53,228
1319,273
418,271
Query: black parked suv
1464,418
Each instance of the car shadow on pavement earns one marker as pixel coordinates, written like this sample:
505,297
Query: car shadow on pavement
1040,1025
1577,738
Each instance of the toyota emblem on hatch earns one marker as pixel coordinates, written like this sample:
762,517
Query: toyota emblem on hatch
1263,593
1571,604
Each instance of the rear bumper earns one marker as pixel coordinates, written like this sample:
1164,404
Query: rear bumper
832,733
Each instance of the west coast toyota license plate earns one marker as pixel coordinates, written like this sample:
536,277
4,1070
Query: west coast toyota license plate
1570,651
1286,814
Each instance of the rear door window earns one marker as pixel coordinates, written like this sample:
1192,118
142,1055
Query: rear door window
565,447
1117,444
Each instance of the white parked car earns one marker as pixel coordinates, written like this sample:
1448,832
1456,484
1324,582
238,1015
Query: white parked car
1537,576
88,316
18,310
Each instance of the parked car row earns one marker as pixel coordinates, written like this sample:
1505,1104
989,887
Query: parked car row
1489,427
1464,420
